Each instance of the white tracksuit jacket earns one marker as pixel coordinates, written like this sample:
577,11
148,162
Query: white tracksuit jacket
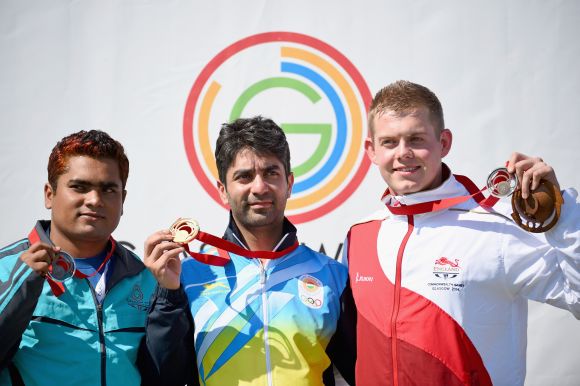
451,287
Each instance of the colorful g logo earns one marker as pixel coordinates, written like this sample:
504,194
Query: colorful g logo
292,78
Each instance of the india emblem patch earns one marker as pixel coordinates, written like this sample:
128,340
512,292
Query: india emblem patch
310,291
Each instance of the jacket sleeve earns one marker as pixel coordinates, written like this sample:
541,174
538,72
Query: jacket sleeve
546,267
342,346
20,288
170,340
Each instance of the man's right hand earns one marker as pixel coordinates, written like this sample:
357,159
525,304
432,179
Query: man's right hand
162,258
39,257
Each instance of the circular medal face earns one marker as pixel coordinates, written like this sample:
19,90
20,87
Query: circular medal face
184,230
62,268
501,183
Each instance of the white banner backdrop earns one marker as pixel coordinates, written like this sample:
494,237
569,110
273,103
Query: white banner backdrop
158,77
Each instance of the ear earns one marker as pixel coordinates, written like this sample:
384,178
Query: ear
48,195
370,149
290,184
122,202
223,193
446,138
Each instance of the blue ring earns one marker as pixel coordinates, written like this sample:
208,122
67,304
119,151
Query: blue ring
340,115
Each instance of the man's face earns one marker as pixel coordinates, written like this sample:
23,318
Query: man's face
88,201
256,190
408,151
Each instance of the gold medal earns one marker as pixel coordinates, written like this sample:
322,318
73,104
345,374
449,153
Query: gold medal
184,230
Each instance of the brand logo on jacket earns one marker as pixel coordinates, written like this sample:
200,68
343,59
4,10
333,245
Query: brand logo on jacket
135,300
447,269
310,291
214,288
361,278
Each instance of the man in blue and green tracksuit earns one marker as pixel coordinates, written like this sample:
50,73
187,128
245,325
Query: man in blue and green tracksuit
268,316
86,329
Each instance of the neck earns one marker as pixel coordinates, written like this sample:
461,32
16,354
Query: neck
262,238
77,249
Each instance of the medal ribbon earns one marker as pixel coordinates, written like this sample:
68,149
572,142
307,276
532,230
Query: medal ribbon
224,246
80,275
56,286
436,205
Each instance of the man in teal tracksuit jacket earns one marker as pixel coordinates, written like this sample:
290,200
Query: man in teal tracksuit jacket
89,328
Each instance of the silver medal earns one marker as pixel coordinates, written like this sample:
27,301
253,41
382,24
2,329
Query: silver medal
501,183
62,268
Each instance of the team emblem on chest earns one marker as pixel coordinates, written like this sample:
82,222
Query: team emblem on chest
446,269
310,291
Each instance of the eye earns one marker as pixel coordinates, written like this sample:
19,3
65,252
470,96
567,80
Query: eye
78,188
416,139
388,142
243,177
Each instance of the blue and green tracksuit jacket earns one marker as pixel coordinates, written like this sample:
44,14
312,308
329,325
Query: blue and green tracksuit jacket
48,340
254,325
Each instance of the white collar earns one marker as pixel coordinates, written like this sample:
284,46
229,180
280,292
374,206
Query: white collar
449,188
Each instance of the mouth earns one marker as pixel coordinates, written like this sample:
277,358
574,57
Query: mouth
260,204
407,169
91,216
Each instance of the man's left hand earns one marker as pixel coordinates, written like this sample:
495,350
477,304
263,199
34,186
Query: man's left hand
530,171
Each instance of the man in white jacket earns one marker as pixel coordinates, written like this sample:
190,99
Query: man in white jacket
441,283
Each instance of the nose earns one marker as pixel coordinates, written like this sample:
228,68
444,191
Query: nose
259,185
404,150
94,198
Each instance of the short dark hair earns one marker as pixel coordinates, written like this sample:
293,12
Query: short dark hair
261,135
93,143
403,96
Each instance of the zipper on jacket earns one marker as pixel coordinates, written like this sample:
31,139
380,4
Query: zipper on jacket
102,345
397,299
266,321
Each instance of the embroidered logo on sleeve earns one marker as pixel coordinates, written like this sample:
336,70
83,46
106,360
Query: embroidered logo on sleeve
310,291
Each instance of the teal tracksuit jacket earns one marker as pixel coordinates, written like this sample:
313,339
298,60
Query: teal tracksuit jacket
72,340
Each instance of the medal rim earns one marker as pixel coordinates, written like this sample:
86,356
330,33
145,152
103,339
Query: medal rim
175,227
513,183
68,273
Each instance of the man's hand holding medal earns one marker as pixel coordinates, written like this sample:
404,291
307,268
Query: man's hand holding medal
161,257
536,204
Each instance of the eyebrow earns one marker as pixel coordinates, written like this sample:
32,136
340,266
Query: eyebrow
102,185
268,168
272,167
412,133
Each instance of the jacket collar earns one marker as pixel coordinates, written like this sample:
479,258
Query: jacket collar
234,235
449,188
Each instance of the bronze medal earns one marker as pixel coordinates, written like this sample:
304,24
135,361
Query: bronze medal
540,211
